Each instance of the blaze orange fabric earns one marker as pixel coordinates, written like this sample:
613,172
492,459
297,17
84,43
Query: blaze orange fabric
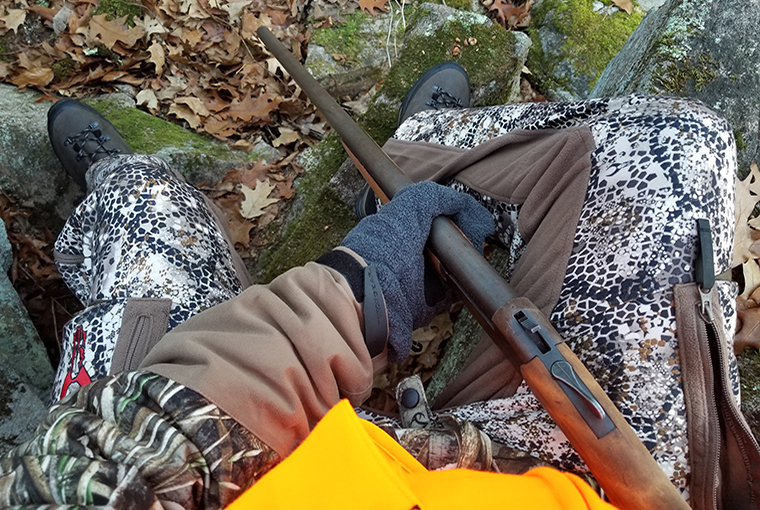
348,463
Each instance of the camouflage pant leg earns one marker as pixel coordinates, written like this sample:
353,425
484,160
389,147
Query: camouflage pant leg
659,164
141,233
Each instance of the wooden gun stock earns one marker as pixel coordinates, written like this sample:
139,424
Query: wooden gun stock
616,457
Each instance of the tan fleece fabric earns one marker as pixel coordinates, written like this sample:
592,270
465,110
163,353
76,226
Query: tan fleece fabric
277,357
546,171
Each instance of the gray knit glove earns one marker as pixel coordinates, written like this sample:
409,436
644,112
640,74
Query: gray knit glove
393,241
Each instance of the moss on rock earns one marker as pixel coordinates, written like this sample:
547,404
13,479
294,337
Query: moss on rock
318,220
343,38
579,42
198,158
676,72
146,134
491,63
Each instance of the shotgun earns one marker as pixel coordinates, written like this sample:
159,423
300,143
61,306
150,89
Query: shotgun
619,461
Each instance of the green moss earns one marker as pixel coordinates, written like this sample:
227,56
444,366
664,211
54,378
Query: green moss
676,76
462,5
114,9
146,134
320,220
491,56
541,65
343,38
592,39
380,122
62,68
740,143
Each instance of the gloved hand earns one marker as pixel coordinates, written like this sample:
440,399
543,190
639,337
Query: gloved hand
393,241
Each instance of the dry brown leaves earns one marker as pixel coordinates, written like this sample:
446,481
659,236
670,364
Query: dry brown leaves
746,254
194,61
251,196
510,14
427,344
36,279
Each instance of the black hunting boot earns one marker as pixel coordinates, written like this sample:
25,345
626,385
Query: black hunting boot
443,86
80,136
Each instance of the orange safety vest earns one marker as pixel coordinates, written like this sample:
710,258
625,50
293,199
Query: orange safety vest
349,463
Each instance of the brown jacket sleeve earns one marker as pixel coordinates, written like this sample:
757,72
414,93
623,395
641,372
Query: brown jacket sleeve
277,357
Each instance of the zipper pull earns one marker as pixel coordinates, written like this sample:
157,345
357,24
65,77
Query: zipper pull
705,267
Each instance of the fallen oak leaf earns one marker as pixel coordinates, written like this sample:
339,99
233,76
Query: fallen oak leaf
34,77
220,128
195,104
13,19
242,145
287,136
234,9
147,97
109,33
624,5
748,333
256,199
157,57
45,13
5,70
255,110
213,101
370,6
285,188
511,15
248,174
239,227
751,271
150,25
270,213
184,112
46,97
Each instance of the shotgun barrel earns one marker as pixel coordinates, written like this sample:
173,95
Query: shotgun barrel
619,461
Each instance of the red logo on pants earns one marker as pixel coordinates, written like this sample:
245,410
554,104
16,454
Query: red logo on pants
77,372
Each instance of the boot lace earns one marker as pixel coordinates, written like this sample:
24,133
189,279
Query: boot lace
90,134
443,99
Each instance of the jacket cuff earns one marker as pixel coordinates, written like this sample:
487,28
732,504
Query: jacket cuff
365,284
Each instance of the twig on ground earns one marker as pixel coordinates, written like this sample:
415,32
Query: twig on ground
388,39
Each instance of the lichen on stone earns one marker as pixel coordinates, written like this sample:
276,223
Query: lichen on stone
675,67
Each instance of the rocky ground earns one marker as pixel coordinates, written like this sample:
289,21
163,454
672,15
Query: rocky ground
192,84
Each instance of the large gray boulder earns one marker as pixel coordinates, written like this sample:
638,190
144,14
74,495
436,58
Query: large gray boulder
702,49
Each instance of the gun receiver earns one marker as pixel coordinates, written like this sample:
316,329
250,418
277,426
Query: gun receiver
616,457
